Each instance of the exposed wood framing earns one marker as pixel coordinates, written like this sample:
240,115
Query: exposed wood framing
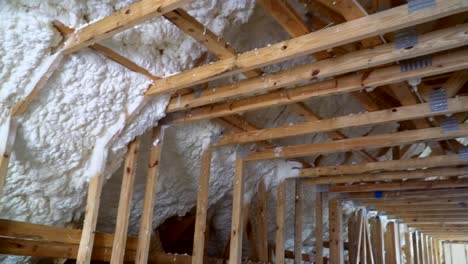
91,214
146,224
280,218
262,230
235,255
393,175
441,63
384,22
335,229
202,208
388,165
121,20
319,200
408,185
392,243
459,104
125,201
377,237
363,59
298,221
373,141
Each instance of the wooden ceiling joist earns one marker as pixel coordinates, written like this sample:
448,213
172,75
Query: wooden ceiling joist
411,208
408,194
409,185
373,141
121,20
363,59
383,22
387,165
441,63
459,104
383,176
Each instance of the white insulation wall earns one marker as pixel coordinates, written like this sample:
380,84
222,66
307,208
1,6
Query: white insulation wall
89,95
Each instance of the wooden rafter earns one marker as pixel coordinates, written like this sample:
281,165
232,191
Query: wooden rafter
373,141
390,74
363,59
386,21
121,20
396,114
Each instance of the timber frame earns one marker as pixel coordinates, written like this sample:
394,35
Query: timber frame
425,196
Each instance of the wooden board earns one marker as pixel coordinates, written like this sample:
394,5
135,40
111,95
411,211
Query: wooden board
121,20
235,252
152,175
125,202
386,21
372,141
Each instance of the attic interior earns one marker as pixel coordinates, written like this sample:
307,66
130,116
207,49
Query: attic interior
240,131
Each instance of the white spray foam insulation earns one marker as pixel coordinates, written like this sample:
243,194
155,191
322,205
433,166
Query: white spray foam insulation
85,100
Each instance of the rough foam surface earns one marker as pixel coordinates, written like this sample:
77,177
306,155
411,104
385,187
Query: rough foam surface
85,99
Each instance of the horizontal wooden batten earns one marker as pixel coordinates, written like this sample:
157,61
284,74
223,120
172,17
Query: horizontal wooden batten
441,63
363,59
121,20
409,185
384,176
418,201
431,212
392,195
411,208
382,22
386,165
459,104
374,141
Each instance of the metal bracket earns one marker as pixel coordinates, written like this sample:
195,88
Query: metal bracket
197,92
406,38
438,101
450,124
416,63
414,5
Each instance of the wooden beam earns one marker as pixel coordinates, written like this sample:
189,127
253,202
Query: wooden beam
363,59
411,208
441,63
421,248
289,20
235,252
428,212
409,185
319,199
391,195
152,176
298,221
377,237
408,249
415,243
385,176
280,218
335,231
387,165
392,243
417,201
121,20
459,104
262,223
202,208
372,141
383,22
125,201
91,214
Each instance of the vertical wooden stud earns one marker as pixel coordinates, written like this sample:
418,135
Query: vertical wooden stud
298,222
392,244
421,248
335,229
378,240
280,215
319,197
235,252
202,208
146,224
262,224
90,220
409,254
